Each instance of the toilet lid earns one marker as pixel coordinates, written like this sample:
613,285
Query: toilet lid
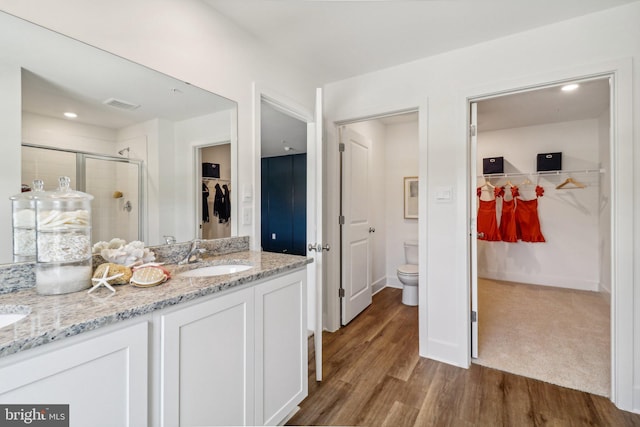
408,269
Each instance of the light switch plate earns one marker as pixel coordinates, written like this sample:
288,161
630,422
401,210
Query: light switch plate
247,213
444,194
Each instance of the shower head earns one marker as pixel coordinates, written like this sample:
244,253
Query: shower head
121,152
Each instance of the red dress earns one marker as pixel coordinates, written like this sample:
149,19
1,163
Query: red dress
508,219
527,221
487,221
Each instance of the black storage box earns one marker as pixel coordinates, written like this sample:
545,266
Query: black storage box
210,170
492,165
549,162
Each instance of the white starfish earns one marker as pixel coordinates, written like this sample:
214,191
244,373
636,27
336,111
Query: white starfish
104,280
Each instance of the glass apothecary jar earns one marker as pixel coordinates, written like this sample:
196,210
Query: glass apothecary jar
23,217
63,240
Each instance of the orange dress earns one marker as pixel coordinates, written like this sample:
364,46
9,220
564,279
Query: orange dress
487,219
527,221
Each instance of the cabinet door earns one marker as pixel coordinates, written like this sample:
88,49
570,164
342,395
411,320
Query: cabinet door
103,379
207,363
281,347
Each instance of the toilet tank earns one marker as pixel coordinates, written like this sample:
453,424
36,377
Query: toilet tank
411,251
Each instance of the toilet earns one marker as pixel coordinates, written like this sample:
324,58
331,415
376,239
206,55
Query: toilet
408,273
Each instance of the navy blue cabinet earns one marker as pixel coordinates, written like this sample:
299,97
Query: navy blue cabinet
284,204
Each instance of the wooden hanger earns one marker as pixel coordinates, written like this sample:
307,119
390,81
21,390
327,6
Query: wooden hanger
488,184
570,181
509,184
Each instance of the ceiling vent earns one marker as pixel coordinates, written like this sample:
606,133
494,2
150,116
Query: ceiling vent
118,103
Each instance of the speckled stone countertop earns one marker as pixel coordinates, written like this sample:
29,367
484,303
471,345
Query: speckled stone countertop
54,317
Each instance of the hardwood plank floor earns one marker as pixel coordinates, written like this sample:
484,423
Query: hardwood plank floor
373,376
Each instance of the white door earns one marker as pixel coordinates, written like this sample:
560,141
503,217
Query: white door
356,271
314,224
473,231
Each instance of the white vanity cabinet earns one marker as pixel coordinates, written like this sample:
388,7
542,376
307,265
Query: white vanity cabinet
235,359
207,362
102,376
280,347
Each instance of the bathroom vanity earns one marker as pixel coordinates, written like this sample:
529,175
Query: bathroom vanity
204,350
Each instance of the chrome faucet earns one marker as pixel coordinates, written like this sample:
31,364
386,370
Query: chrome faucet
194,253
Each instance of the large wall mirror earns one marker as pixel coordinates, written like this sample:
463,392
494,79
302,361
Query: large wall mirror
137,141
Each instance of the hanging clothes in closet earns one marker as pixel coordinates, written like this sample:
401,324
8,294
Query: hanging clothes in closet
487,221
527,220
222,204
508,227
518,221
205,203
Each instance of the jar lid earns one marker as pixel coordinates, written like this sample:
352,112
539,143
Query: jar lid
63,192
38,187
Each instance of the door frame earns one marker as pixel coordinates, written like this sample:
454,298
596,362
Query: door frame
621,166
314,131
196,154
333,320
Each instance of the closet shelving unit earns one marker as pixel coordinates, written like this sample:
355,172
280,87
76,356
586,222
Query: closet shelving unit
542,173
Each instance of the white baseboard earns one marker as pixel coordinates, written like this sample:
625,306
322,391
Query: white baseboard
636,400
378,285
555,281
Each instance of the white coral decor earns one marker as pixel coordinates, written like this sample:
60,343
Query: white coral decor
124,254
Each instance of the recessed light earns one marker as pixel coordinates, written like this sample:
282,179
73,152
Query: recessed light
70,115
570,87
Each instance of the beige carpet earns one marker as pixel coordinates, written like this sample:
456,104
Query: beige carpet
556,335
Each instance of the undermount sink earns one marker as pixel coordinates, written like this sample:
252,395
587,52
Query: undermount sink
11,314
215,270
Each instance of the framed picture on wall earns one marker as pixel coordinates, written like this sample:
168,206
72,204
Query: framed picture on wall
411,197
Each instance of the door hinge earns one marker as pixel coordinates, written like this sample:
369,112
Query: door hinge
341,147
341,292
472,130
341,220
474,316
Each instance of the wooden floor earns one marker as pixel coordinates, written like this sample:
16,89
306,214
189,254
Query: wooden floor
373,376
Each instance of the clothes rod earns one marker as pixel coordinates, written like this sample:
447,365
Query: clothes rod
215,179
541,173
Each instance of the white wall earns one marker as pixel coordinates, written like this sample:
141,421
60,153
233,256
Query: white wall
439,86
569,218
68,135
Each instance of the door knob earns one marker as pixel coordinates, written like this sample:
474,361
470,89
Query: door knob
372,230
319,247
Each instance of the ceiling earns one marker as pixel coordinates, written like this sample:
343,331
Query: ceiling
544,106
340,39
337,39
61,74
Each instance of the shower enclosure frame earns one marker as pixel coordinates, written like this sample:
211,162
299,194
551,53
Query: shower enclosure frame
80,176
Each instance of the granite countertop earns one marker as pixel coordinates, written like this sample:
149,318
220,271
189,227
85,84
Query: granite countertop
54,317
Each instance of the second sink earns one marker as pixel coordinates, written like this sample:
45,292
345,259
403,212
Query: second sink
215,270
12,314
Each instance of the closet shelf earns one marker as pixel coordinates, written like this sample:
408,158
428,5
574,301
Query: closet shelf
542,173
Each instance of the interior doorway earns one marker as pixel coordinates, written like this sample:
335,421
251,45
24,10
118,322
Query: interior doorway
216,191
572,256
377,154
283,196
